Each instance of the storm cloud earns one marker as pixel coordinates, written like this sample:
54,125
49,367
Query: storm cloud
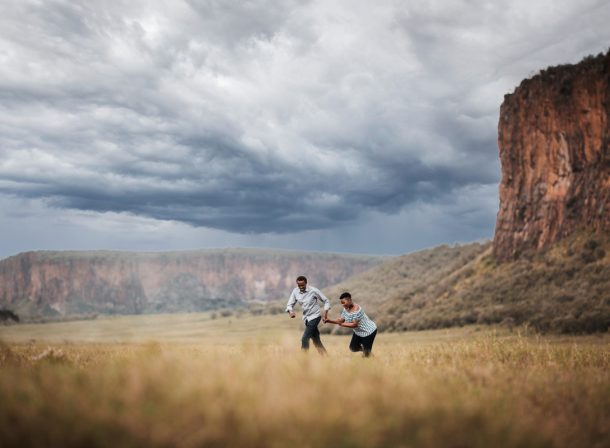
270,117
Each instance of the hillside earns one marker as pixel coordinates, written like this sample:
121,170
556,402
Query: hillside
77,283
564,289
392,279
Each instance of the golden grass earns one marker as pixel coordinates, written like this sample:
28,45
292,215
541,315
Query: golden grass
246,384
185,327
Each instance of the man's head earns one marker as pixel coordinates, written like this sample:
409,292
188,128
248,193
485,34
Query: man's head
346,300
302,283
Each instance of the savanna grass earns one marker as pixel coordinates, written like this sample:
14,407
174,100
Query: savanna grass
475,392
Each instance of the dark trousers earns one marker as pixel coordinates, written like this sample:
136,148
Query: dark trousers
363,344
312,332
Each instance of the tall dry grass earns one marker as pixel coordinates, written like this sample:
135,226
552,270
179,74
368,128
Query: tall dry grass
476,392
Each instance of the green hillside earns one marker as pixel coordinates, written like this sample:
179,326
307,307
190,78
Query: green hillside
411,272
564,289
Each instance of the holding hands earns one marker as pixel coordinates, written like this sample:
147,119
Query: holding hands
326,320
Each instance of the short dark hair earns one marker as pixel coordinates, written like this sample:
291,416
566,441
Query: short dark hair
302,278
345,295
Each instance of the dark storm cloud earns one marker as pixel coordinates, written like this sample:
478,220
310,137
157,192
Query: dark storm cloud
265,116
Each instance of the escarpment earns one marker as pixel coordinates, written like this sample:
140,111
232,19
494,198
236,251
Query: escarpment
554,142
68,283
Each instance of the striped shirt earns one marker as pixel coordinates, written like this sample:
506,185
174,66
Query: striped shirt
365,325
309,302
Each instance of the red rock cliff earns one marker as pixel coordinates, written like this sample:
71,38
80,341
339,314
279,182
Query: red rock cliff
47,283
554,141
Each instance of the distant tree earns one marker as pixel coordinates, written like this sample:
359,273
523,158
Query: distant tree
8,314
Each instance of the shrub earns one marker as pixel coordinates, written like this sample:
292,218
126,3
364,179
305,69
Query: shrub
591,245
599,253
6,315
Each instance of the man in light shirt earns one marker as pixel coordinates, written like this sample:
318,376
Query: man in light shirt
308,297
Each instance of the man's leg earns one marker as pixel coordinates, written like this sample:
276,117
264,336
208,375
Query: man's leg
355,344
306,337
367,343
310,329
317,342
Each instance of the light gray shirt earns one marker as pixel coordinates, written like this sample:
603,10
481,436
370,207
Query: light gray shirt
308,301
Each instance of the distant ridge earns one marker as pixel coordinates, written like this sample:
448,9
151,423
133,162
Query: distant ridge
57,283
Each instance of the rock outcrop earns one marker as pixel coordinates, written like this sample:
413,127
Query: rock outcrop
554,141
68,283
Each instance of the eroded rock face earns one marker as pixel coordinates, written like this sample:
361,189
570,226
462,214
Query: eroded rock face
67,283
554,141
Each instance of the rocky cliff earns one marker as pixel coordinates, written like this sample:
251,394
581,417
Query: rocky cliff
65,283
554,141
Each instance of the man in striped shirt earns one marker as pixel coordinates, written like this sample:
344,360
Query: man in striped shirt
308,297
354,317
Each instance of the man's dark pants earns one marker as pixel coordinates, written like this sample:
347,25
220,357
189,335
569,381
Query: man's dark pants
312,332
363,343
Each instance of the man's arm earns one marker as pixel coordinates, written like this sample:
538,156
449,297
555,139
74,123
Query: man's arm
336,321
353,324
291,301
326,302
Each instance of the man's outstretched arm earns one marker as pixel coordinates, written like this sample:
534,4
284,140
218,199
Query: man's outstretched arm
290,306
326,302
335,321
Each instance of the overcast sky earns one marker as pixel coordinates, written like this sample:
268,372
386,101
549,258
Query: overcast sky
351,126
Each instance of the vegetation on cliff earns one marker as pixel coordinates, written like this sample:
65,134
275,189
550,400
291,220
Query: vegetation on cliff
564,289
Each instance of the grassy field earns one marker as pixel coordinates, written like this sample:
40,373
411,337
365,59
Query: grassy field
190,380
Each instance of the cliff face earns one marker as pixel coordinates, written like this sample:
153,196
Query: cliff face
554,141
47,283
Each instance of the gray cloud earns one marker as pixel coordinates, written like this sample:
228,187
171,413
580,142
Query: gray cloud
270,116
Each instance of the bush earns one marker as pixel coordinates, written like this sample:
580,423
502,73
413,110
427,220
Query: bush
591,245
588,257
599,253
6,315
